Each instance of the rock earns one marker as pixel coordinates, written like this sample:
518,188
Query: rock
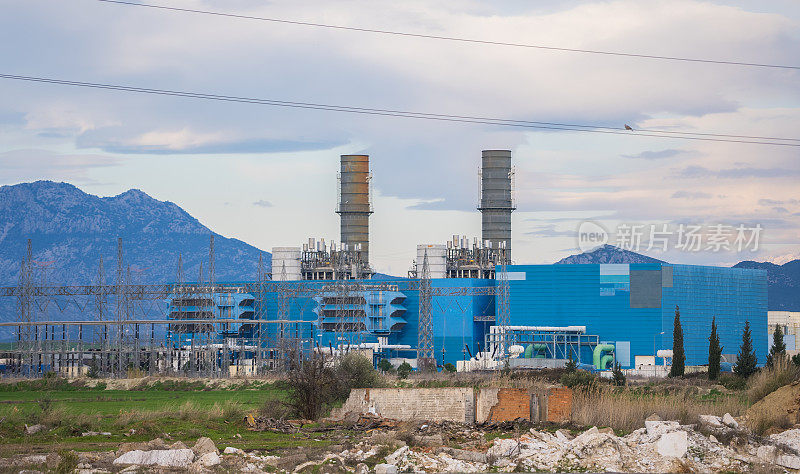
653,417
179,458
788,461
35,459
790,438
126,447
728,420
361,468
656,428
385,469
288,463
607,430
431,441
395,457
565,434
204,445
465,455
33,429
177,445
674,443
767,453
209,459
713,439
711,421
157,443
232,450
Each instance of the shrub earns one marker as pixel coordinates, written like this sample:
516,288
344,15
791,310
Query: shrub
312,384
796,359
404,370
355,371
571,365
769,379
761,420
778,349
385,366
732,382
618,376
68,462
448,367
579,379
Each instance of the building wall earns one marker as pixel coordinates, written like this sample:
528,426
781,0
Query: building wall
629,305
789,321
432,404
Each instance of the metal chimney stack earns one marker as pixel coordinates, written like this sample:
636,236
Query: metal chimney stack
497,201
354,203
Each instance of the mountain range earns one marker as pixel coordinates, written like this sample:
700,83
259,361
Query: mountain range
71,230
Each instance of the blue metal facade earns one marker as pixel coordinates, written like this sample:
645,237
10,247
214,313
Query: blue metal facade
630,305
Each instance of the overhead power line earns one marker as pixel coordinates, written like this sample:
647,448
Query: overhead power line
452,38
756,140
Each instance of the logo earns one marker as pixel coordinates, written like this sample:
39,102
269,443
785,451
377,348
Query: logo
591,235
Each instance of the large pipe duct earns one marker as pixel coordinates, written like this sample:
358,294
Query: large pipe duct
354,204
496,199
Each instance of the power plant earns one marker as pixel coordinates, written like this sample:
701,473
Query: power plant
463,302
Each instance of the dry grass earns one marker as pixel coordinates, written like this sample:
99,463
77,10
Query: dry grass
767,380
626,410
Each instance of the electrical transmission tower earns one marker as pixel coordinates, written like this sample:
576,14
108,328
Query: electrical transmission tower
503,311
425,359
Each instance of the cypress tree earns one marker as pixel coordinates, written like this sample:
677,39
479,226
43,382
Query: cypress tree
678,356
778,349
571,365
746,364
714,352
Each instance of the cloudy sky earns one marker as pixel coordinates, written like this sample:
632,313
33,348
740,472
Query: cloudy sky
267,175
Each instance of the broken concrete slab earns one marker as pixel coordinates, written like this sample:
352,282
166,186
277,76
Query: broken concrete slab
178,458
674,444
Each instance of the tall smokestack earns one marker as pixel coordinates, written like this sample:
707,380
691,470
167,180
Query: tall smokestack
354,205
496,200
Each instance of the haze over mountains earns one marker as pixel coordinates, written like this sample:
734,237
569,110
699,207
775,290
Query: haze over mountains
71,229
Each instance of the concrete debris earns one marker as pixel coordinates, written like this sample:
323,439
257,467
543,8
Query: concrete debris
33,429
209,459
729,421
175,458
204,445
96,433
674,443
653,417
711,422
790,438
385,469
232,450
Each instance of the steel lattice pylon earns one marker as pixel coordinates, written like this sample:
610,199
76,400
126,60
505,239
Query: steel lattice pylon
425,360
503,316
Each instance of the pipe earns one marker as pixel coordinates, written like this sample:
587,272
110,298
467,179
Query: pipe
598,352
606,361
535,351
497,329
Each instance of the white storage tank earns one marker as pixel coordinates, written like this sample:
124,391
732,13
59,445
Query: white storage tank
437,260
285,263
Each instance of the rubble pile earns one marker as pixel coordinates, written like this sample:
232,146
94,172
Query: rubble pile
714,444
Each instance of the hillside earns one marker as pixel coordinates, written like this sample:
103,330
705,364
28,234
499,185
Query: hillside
70,230
608,254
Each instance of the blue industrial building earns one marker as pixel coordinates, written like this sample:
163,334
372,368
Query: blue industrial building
629,306
633,306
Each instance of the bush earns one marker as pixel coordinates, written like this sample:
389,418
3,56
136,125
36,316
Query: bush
579,379
769,379
68,462
355,371
732,382
796,359
385,366
746,360
404,370
571,365
448,367
618,376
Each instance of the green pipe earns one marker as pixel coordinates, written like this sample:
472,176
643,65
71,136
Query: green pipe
537,351
598,354
606,361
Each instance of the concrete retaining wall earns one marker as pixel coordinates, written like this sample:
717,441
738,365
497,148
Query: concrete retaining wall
464,405
433,404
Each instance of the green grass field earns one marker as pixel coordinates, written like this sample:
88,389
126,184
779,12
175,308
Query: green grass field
172,410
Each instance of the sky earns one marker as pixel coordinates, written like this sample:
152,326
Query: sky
267,175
